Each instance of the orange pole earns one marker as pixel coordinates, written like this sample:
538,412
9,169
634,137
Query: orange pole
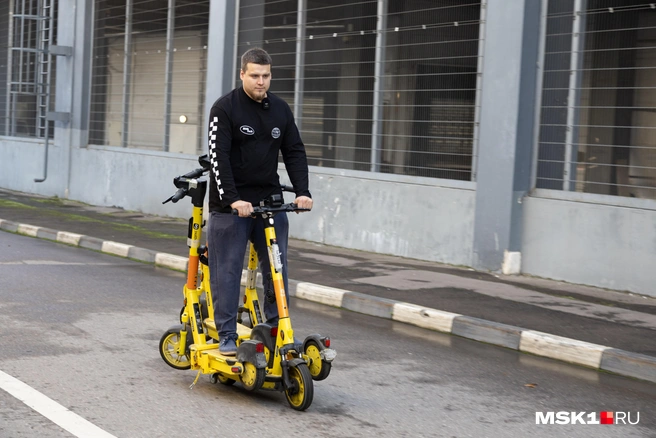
194,243
192,272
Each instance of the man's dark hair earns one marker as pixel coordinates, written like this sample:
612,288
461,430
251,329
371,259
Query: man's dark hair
255,56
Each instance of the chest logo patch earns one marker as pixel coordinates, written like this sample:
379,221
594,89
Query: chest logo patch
247,130
275,133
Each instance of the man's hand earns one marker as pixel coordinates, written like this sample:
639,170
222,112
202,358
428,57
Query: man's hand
303,202
244,208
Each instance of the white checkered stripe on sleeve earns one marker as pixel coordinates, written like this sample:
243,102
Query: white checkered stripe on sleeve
214,126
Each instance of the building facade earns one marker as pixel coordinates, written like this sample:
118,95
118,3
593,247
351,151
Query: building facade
515,136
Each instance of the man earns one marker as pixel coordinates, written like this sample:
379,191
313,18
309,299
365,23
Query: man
248,127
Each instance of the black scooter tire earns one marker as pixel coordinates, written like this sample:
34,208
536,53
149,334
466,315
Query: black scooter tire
300,396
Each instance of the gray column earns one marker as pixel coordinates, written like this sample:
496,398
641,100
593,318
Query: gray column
73,81
168,73
220,54
505,152
574,95
82,59
379,87
299,78
127,74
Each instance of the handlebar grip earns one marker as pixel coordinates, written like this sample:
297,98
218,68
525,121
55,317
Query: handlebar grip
204,160
181,193
286,188
176,196
196,173
235,211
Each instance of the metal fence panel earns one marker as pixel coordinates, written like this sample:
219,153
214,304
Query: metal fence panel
27,69
415,115
4,65
148,74
598,111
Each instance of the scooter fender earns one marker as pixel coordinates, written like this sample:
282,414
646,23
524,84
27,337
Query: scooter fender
178,328
262,332
286,365
327,354
295,362
247,352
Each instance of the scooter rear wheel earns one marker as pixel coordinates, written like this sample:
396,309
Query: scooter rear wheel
319,368
301,394
252,378
168,349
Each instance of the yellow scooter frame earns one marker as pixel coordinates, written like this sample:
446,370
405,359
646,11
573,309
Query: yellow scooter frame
267,356
186,346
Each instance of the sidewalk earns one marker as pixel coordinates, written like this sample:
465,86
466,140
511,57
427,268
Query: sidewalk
607,330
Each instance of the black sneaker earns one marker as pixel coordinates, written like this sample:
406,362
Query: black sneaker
228,345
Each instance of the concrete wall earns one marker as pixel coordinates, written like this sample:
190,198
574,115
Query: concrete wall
411,217
418,218
132,179
22,160
574,237
104,176
589,239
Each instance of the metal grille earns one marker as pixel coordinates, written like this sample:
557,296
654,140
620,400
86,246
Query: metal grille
4,58
598,105
272,26
27,67
431,66
148,79
384,86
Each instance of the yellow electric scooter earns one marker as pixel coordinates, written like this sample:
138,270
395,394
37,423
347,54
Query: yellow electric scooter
267,357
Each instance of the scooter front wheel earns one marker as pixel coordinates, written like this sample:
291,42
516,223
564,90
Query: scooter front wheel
168,349
300,395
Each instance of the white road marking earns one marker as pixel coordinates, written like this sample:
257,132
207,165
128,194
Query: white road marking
50,409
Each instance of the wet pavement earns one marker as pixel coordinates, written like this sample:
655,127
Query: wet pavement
614,319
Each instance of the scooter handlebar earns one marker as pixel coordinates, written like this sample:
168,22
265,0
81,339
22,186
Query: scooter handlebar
204,161
196,173
284,208
181,193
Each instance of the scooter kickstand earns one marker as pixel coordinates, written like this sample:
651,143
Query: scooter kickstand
195,380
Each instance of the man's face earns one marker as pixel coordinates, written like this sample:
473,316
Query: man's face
256,80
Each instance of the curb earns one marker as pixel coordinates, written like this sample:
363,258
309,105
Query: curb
590,355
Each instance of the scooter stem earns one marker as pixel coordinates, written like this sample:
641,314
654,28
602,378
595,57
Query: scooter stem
276,268
194,235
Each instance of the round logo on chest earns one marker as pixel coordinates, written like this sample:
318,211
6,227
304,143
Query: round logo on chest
275,133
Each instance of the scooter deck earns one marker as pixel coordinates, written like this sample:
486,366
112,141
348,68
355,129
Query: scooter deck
214,354
211,360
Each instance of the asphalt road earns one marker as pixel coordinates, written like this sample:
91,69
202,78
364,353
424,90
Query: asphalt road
82,328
